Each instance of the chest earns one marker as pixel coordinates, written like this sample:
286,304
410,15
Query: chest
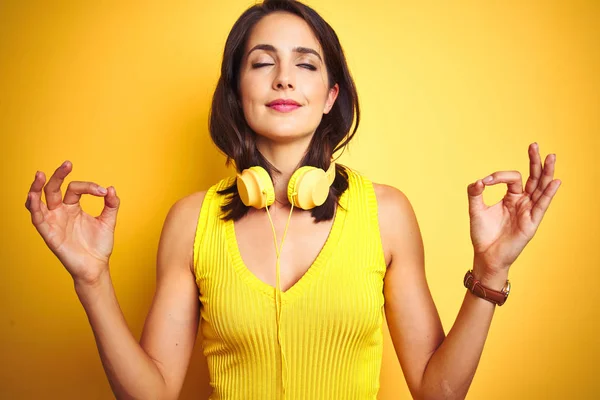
303,242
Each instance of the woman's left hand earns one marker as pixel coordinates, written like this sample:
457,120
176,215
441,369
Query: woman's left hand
500,232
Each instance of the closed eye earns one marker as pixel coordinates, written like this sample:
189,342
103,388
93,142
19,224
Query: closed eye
258,65
306,66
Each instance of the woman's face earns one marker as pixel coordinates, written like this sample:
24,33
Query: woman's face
283,62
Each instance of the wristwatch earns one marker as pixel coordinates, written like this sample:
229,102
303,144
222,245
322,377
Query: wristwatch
493,296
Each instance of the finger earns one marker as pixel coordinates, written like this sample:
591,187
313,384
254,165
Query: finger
36,187
511,178
540,207
475,194
111,208
52,189
547,177
535,168
77,188
36,206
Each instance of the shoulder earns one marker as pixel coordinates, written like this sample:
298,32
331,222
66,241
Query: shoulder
398,224
391,202
188,206
185,212
179,229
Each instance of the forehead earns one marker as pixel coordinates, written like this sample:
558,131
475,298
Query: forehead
284,31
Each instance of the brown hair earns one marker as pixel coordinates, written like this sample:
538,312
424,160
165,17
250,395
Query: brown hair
231,133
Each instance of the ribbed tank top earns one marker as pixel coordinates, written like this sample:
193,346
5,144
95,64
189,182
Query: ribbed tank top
331,319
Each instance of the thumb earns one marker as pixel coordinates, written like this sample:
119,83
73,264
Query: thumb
475,193
111,207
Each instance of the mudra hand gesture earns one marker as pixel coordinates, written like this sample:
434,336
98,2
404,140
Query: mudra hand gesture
500,232
82,243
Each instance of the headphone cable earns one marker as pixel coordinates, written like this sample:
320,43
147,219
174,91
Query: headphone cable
278,292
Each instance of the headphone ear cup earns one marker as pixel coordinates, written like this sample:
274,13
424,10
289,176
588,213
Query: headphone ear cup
308,188
255,187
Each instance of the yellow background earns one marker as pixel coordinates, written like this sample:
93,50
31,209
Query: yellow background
450,92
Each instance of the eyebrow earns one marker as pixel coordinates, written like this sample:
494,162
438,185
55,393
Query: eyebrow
299,49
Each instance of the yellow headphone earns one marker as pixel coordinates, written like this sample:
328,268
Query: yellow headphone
308,187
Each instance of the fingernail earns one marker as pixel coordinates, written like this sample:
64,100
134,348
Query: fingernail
101,190
488,179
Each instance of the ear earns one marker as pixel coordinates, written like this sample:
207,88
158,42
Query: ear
331,96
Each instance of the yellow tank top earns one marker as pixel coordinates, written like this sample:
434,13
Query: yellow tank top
331,319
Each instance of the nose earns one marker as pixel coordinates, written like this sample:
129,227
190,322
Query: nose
284,79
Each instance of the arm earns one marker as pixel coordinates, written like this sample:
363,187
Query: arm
452,367
156,367
435,366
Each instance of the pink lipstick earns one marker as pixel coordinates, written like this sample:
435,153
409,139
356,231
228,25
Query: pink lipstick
284,105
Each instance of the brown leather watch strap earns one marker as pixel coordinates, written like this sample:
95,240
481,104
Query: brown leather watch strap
493,296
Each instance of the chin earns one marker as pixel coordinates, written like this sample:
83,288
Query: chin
285,134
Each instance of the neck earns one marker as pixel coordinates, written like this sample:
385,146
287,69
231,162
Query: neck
286,157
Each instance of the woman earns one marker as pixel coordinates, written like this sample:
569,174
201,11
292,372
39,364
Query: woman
301,318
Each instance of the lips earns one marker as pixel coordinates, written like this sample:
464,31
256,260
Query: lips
284,105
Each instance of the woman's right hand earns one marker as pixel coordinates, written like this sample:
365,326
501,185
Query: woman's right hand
82,243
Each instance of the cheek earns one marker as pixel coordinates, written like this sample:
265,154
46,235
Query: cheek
249,98
253,89
316,91
251,109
